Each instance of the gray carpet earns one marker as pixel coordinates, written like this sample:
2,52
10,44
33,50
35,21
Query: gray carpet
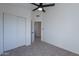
39,48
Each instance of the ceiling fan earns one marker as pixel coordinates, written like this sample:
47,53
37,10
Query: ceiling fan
41,6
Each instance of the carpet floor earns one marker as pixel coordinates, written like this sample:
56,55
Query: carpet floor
39,48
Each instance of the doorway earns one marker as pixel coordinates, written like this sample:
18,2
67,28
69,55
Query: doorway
37,30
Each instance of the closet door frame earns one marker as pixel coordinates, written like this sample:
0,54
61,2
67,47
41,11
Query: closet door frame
4,30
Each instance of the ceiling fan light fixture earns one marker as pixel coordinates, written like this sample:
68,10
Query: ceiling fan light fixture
40,9
40,6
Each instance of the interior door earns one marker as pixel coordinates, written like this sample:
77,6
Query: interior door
32,31
9,31
20,31
37,28
14,31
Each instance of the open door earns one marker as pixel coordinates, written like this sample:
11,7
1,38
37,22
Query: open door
36,31
32,32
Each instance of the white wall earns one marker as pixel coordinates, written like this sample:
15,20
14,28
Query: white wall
1,30
61,26
23,10
1,34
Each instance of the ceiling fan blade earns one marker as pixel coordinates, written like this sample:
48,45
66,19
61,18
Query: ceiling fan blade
35,4
43,10
35,9
48,5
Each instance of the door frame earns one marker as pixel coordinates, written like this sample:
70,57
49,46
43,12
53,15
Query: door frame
32,29
35,26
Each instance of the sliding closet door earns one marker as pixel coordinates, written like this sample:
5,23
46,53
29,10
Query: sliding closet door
1,33
9,31
20,31
14,31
